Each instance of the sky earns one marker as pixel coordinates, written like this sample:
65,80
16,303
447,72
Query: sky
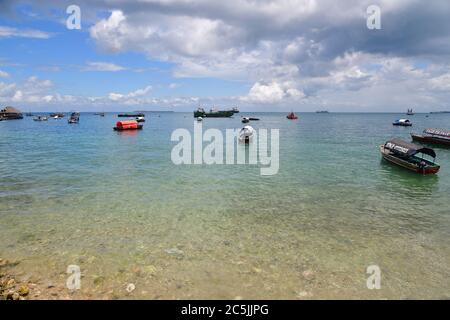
257,55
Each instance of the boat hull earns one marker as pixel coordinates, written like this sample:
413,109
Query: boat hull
402,124
431,140
218,114
139,127
408,165
130,115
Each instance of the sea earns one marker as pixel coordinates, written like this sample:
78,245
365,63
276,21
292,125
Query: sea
335,221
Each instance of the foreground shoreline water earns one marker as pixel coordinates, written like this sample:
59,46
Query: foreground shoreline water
116,206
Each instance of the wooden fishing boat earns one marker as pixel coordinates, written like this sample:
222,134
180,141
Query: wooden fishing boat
406,155
74,117
433,136
10,113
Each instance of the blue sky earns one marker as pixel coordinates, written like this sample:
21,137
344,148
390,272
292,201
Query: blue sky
262,55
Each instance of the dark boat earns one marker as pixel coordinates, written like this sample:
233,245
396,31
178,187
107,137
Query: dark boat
101,114
322,111
40,118
292,116
245,120
402,123
140,119
405,154
213,113
235,110
127,125
57,115
433,136
28,114
130,115
74,117
10,113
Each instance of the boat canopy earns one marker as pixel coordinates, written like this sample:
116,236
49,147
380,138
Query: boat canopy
438,132
408,149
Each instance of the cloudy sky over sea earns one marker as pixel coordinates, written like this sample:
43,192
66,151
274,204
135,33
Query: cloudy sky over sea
255,54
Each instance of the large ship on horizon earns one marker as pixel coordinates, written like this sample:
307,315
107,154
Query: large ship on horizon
215,113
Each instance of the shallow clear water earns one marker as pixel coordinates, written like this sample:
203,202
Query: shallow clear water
114,204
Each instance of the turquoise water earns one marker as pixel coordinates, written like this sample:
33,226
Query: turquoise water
114,204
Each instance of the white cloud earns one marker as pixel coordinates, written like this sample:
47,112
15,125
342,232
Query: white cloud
103,66
4,74
131,96
273,92
287,50
8,32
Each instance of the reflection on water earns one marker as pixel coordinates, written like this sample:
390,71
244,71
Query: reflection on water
408,184
115,204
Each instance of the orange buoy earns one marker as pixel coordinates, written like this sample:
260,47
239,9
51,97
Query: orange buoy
127,125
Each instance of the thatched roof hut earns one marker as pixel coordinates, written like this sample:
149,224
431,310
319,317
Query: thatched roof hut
10,113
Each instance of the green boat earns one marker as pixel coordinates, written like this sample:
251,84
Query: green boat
200,112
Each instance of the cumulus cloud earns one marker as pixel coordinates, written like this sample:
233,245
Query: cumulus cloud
286,50
4,74
273,92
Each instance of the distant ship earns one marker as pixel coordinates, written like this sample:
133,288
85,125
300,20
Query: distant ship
322,111
410,112
214,113
131,115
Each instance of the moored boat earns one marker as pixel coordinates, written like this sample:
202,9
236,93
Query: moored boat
127,125
402,123
433,136
74,117
410,112
140,119
246,134
245,120
57,115
213,113
405,154
40,118
10,113
291,116
131,115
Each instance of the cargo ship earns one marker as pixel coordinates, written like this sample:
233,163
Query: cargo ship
214,113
